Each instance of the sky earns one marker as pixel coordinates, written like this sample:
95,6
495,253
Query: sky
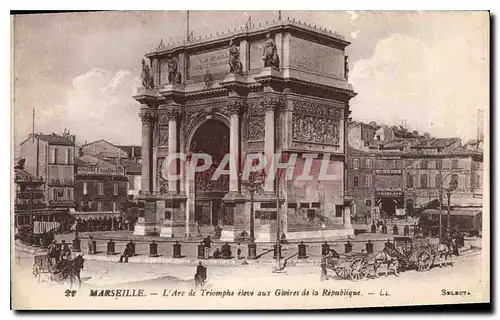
429,70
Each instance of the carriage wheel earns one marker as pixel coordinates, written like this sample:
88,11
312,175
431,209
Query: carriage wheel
424,260
359,269
342,272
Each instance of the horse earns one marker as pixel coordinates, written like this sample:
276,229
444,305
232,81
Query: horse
386,257
70,270
445,250
199,280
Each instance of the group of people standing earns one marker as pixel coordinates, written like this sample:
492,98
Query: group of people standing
380,226
104,224
58,251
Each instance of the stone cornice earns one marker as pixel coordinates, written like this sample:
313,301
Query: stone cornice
147,96
297,28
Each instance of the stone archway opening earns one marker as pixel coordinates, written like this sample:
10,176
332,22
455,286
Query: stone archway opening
212,138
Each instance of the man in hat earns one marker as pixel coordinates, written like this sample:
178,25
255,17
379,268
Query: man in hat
52,252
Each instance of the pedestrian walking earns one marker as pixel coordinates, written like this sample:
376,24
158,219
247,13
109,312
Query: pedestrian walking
90,247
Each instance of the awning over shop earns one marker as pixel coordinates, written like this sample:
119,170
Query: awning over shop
472,212
94,215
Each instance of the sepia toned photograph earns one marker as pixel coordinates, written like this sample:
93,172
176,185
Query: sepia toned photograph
249,160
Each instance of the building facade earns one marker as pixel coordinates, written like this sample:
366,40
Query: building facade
99,189
51,157
360,182
280,88
30,198
410,172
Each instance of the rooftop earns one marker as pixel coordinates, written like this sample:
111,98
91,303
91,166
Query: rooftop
53,138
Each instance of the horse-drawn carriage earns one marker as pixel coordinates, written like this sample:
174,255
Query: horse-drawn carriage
403,253
342,265
60,272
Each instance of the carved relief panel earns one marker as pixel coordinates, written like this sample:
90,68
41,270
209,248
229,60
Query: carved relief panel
256,128
316,123
163,141
312,129
161,183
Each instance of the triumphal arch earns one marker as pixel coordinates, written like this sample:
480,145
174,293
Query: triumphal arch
279,88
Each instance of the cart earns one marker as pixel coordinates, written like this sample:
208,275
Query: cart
41,266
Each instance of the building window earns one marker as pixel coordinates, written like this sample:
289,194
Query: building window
368,181
54,194
99,205
85,189
100,188
478,181
355,163
368,163
68,156
368,203
130,183
423,164
423,181
68,194
409,182
58,194
454,179
53,155
355,181
454,164
439,164
115,188
438,181
338,211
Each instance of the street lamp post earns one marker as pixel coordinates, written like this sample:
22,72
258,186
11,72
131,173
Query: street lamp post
448,194
252,187
278,215
453,184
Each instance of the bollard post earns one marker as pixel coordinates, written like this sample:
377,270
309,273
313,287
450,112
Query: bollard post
153,249
369,247
131,245
347,247
252,250
111,247
302,250
177,250
94,246
76,245
277,250
201,251
395,230
226,251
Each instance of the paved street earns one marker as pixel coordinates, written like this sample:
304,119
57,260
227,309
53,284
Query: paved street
465,274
